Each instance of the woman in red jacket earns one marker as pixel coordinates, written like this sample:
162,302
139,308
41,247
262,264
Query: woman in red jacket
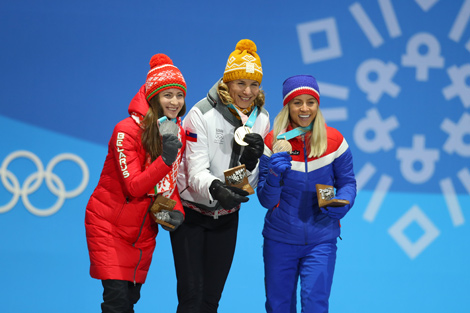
143,158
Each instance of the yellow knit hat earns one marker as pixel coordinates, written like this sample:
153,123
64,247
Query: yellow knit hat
243,63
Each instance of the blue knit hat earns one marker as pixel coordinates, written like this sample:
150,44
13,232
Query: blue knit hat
300,85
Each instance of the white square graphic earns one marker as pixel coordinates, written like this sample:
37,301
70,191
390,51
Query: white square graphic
413,249
307,47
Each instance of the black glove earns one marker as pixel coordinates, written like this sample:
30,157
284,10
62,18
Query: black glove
176,219
253,151
228,196
170,144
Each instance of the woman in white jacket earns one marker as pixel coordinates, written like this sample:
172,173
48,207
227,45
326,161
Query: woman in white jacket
204,245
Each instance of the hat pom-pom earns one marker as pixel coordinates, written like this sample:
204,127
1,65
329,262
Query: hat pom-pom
159,60
246,44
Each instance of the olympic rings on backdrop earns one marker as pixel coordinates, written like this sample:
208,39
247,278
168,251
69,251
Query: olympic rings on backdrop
33,182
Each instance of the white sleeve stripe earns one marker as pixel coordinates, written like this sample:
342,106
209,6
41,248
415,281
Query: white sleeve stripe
267,152
321,162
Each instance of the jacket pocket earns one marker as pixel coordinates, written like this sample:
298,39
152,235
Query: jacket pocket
121,209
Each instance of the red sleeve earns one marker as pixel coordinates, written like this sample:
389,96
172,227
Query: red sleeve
335,139
130,157
268,140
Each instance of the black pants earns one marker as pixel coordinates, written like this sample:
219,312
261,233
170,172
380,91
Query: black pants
119,296
203,249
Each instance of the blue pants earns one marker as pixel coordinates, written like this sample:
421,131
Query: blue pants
285,263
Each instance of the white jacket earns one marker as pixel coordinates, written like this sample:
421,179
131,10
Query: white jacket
214,150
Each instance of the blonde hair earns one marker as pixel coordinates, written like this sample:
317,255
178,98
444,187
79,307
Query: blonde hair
318,140
224,95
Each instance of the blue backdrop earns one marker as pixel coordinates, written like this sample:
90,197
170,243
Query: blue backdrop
394,79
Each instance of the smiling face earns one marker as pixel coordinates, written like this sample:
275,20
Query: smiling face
302,110
243,92
171,101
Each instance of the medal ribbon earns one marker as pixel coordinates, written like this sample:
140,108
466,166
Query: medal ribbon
251,120
295,132
164,118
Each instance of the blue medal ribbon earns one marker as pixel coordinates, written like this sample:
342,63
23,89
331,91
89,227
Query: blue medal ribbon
253,115
295,132
164,118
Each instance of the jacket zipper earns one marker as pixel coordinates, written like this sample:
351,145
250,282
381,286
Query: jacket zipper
306,180
138,236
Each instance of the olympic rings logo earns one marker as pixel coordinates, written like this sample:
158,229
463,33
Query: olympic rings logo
33,182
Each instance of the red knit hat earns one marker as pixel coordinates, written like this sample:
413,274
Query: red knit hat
163,75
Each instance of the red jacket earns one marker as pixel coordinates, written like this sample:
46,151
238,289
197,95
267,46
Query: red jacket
119,229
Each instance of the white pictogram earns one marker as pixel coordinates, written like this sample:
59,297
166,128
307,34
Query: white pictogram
450,196
457,133
366,25
423,61
375,88
430,232
373,123
418,153
426,4
337,92
34,181
310,53
459,88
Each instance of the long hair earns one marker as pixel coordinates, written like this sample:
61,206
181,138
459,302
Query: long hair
318,140
150,134
223,92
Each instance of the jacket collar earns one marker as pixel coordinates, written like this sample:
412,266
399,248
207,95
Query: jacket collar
216,102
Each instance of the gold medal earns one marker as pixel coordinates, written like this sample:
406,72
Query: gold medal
240,135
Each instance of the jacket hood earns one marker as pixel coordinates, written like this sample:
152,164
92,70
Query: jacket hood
213,96
139,104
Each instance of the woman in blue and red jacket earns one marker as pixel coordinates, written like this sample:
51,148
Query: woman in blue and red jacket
299,237
143,159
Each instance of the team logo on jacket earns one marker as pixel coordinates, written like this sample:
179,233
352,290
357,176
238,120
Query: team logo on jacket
295,152
122,156
191,136
219,136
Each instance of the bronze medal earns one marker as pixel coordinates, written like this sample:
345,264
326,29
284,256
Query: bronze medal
282,145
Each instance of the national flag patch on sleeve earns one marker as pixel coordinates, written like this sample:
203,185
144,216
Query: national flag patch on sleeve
191,136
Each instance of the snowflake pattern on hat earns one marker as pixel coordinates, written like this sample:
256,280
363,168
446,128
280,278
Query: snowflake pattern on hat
243,63
163,75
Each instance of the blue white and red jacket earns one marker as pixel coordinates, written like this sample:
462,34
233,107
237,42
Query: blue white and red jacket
293,215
